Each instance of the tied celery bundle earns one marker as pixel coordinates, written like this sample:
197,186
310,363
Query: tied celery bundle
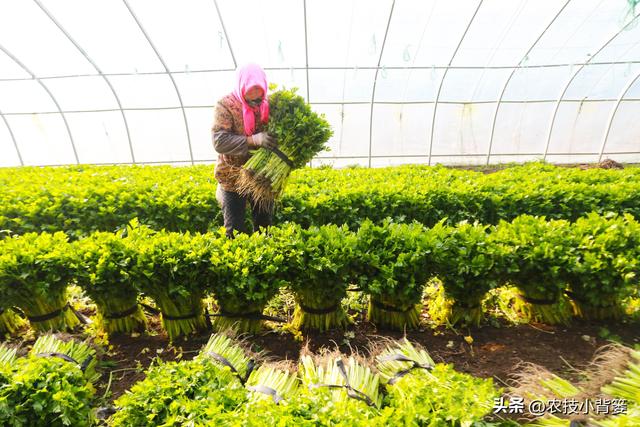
34,273
301,134
249,270
347,380
229,354
394,267
10,321
532,251
82,354
602,270
43,389
7,356
173,269
630,419
535,382
102,269
465,264
272,384
429,394
320,266
197,392
627,385
291,405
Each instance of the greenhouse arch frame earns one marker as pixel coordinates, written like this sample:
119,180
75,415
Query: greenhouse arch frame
401,81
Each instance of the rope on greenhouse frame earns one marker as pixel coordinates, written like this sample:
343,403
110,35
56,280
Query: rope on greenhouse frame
223,360
266,390
402,358
351,392
83,366
318,310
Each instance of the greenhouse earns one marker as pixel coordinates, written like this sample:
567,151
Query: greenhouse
320,213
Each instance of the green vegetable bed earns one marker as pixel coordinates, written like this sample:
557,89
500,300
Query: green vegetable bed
82,199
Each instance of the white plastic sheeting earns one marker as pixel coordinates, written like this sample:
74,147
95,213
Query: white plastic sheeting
401,81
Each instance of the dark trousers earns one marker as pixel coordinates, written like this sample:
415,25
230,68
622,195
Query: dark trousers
234,207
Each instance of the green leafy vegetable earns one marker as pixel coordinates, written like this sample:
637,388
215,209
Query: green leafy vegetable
466,263
532,250
34,273
320,267
196,392
301,134
393,270
103,270
44,392
248,271
603,269
435,394
174,270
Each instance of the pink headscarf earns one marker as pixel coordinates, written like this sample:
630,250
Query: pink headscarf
249,76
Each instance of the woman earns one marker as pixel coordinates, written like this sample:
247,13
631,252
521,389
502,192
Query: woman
239,126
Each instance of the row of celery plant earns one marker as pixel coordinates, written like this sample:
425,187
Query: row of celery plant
595,260
81,199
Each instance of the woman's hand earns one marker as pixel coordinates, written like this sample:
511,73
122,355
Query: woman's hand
263,139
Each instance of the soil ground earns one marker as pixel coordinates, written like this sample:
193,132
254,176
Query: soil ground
495,351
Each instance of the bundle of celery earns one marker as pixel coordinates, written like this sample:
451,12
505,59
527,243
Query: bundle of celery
7,356
282,403
46,388
272,384
102,269
197,392
301,134
630,419
34,273
247,272
173,269
394,265
208,390
425,393
627,385
229,354
611,384
10,321
346,378
535,382
532,252
320,265
76,352
602,271
465,264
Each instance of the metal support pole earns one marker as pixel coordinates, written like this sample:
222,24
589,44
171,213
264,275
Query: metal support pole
444,76
375,81
175,86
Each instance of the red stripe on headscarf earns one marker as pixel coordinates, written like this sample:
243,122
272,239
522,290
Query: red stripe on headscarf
249,76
